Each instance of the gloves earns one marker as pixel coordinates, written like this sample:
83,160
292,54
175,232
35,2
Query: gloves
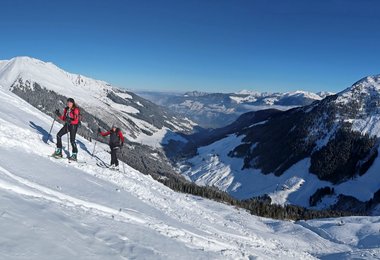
69,119
57,112
99,130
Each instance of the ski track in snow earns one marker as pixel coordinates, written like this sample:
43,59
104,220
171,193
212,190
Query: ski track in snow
97,204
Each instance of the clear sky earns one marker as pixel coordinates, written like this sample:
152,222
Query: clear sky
207,45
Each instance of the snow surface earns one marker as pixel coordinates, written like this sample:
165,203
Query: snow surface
50,76
52,209
159,138
124,95
324,94
218,169
213,167
245,99
271,98
365,93
304,94
88,93
298,93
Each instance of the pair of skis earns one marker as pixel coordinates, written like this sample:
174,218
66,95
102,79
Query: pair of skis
99,164
68,158
106,166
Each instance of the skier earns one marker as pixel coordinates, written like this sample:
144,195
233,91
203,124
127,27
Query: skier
71,118
116,143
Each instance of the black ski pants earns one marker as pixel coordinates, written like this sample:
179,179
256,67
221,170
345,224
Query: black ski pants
73,132
114,150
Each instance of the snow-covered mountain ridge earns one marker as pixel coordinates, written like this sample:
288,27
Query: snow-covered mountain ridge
48,74
331,144
146,125
52,209
364,99
219,109
94,95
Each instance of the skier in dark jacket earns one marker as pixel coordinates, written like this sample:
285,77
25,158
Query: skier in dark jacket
116,143
71,118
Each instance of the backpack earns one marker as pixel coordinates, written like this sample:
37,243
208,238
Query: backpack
114,137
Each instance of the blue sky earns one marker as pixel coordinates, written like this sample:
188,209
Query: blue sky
215,45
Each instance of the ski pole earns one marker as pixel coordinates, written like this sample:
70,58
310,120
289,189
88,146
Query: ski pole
93,150
122,160
51,128
68,138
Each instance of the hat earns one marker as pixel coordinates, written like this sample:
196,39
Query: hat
114,126
71,100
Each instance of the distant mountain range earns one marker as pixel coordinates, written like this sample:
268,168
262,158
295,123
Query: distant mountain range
213,110
321,155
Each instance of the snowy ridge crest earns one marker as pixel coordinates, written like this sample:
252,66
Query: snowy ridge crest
362,105
98,97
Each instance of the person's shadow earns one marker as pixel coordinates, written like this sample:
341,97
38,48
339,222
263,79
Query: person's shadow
46,137
45,134
84,148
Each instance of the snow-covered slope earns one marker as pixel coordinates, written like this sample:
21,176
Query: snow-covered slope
219,109
332,143
147,126
364,100
52,77
51,209
294,98
212,166
140,117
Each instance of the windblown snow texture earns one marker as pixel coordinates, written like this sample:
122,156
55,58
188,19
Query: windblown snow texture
51,209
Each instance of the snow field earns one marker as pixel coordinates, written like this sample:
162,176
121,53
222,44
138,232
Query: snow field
52,209
79,194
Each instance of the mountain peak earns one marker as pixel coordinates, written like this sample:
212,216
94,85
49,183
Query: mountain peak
302,93
26,62
365,85
25,59
26,68
375,79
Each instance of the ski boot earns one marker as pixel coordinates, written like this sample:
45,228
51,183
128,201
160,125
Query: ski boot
114,167
73,157
58,153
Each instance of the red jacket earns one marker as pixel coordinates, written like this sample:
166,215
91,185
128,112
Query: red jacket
73,114
116,137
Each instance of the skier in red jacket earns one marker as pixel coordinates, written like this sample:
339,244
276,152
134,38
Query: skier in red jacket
116,143
71,118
